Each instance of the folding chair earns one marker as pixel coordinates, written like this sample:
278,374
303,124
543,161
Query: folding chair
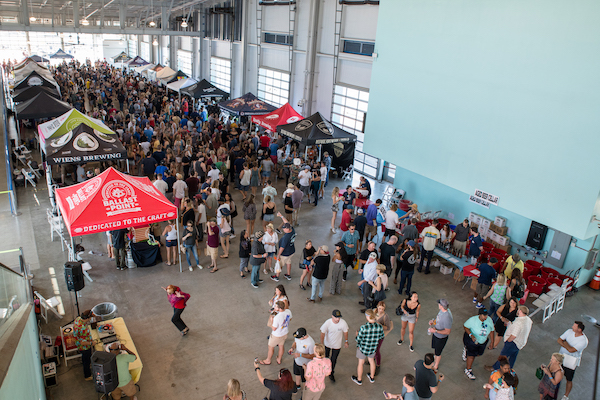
48,304
29,177
34,168
348,173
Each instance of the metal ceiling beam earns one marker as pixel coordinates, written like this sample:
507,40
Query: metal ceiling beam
95,29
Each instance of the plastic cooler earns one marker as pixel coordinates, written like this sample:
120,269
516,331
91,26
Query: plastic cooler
421,226
488,246
557,281
536,284
443,221
533,263
549,272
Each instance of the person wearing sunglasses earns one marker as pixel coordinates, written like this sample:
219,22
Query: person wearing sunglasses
478,330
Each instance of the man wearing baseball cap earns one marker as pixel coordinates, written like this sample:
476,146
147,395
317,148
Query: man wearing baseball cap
286,248
303,350
334,333
440,328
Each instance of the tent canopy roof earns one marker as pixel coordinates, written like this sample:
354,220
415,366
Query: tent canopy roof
42,105
67,122
247,104
283,115
111,201
35,79
61,54
122,57
137,61
165,73
204,89
30,92
181,83
315,130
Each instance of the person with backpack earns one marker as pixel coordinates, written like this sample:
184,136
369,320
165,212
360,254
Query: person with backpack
517,285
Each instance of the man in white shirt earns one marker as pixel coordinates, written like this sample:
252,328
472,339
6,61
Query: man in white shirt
391,221
279,325
269,191
290,189
201,219
161,185
303,350
572,342
430,237
213,173
304,179
333,331
515,337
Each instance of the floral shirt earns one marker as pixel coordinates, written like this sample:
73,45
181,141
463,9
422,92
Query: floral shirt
316,371
81,333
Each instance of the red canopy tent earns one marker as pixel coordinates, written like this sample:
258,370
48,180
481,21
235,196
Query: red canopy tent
283,115
110,201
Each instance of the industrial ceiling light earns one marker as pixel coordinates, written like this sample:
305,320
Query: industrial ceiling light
184,24
155,42
85,22
151,24
32,19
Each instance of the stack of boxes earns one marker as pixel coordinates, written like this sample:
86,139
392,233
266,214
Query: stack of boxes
492,231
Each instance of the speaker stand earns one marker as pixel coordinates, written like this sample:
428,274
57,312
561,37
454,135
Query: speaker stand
77,303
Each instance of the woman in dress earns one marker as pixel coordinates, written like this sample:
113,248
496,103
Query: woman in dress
383,319
269,211
338,269
249,213
281,389
178,300
553,374
506,313
335,197
170,234
270,241
307,255
254,177
279,295
234,391
410,309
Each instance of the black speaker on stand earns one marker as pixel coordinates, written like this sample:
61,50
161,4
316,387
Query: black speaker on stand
104,372
537,235
74,279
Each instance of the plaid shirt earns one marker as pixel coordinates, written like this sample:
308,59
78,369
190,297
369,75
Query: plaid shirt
368,337
81,333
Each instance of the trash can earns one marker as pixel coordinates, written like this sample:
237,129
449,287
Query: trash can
105,311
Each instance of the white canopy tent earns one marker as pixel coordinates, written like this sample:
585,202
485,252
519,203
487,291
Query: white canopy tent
165,74
180,84
142,68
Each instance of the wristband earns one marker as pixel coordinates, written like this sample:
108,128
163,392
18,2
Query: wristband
256,368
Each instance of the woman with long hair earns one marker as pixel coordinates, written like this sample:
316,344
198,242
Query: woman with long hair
506,314
269,210
254,177
383,319
270,241
249,210
234,391
244,253
307,255
337,271
170,234
335,198
281,389
178,300
410,308
233,208
409,256
497,295
279,295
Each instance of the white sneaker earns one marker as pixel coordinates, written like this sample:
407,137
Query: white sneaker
333,230
191,268
200,266
231,236
565,397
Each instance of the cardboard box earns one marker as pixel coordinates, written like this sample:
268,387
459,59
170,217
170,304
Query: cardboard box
483,231
492,236
485,223
478,219
445,270
499,230
472,217
458,275
502,240
505,248
500,222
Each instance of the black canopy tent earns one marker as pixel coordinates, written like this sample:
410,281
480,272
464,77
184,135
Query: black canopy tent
61,54
179,75
43,105
247,104
32,91
39,59
315,130
204,89
35,79
84,144
121,58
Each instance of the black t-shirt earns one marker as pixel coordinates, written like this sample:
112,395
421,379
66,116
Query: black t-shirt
361,223
425,378
189,215
321,269
288,202
149,165
364,255
408,261
190,240
276,393
118,238
386,251
308,252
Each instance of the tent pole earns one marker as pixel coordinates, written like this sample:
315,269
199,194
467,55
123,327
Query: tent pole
178,242
320,149
305,153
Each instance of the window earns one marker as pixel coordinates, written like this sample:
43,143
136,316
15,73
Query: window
278,38
184,62
273,86
145,53
361,48
220,73
132,48
349,111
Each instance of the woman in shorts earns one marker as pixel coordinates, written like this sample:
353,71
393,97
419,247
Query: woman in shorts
307,255
409,309
170,234
245,180
268,211
270,240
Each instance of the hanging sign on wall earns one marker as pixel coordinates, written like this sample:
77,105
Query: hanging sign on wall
479,200
488,197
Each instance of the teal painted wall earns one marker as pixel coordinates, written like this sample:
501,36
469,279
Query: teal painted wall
24,377
501,96
431,195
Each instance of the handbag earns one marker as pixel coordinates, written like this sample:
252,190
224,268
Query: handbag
570,361
379,219
539,373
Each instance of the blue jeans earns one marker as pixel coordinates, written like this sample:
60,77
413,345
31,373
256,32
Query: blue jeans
254,278
405,276
243,263
317,282
492,310
511,351
191,248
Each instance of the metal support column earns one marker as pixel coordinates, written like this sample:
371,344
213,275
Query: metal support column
339,12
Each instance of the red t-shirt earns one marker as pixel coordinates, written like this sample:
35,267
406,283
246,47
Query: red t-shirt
213,240
264,141
346,219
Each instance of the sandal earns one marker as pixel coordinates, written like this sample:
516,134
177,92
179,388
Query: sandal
185,331
302,287
224,256
262,362
214,270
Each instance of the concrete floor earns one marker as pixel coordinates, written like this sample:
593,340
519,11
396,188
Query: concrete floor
227,318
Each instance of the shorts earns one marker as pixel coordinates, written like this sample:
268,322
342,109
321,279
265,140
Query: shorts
305,189
276,340
244,188
274,159
130,390
482,289
361,356
473,349
361,235
410,318
389,232
171,243
285,260
304,264
269,255
213,252
224,234
438,344
569,373
266,174
460,247
371,230
269,217
336,207
299,371
322,185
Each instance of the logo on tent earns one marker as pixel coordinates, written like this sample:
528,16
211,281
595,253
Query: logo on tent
104,136
35,81
292,119
61,140
325,127
306,124
85,142
119,198
84,193
209,90
274,116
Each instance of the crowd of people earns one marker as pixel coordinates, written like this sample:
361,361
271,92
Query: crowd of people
199,159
